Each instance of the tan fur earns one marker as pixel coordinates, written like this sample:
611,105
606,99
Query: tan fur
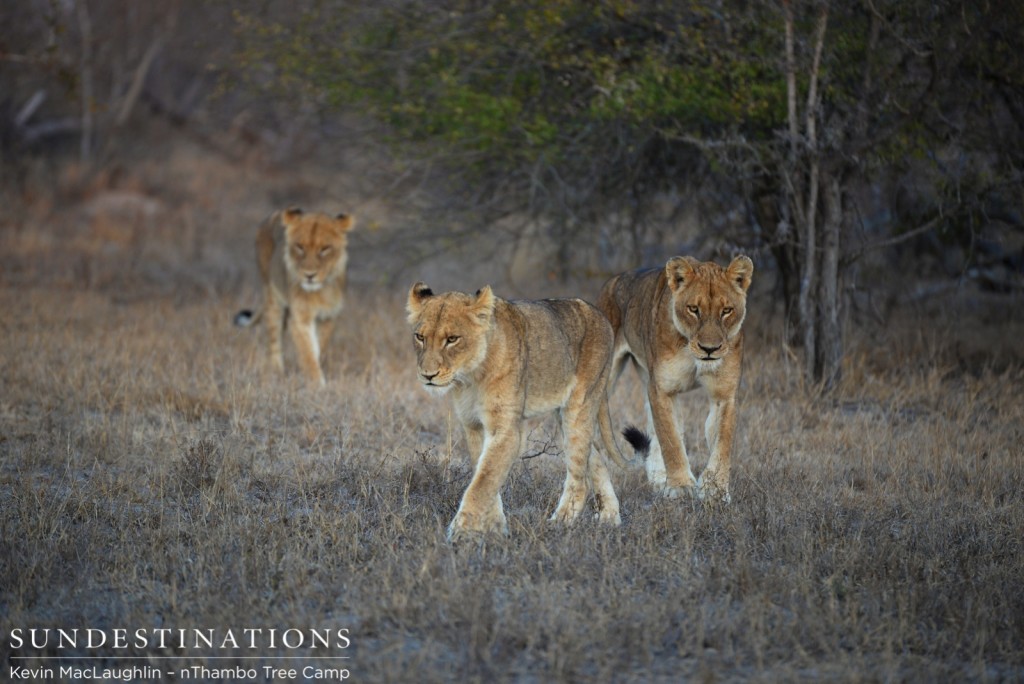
502,362
302,259
682,326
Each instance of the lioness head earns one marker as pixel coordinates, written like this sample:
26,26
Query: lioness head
450,333
709,303
316,246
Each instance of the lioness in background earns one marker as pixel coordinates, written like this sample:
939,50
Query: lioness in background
504,361
302,259
682,326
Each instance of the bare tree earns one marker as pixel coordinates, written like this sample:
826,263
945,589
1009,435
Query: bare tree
812,200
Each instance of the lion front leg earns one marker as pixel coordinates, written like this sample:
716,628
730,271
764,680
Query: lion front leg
324,333
678,476
718,430
307,344
481,510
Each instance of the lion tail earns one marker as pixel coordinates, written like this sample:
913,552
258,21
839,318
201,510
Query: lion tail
638,439
246,318
604,421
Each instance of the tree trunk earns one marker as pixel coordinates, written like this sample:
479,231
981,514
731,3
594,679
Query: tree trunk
812,200
85,26
783,246
828,315
818,299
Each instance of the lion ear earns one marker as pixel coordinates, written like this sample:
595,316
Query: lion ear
483,306
290,217
345,221
741,271
419,294
678,270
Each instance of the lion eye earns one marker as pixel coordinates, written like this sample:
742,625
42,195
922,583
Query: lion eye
726,311
325,251
452,339
695,310
418,337
298,250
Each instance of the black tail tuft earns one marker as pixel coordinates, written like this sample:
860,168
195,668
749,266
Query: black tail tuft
243,318
638,439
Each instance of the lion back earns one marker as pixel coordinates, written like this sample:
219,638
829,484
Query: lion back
562,340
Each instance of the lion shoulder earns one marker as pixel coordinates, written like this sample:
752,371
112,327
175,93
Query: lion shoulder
515,344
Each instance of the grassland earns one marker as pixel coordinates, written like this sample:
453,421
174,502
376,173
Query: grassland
155,473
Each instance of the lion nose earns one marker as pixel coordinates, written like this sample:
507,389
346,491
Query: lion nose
709,350
310,276
429,376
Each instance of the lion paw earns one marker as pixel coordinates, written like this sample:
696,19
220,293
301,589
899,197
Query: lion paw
564,514
657,477
676,492
608,516
711,489
683,490
465,525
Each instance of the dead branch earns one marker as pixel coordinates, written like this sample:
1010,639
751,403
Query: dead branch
894,240
30,108
132,96
46,129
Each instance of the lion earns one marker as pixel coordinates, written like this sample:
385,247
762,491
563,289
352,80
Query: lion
302,259
505,361
682,327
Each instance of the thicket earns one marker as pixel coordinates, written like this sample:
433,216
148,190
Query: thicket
585,113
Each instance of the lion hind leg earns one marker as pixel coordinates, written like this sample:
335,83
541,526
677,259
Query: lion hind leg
654,462
606,500
578,435
275,316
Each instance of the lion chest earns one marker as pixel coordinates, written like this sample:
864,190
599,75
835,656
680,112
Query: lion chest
326,302
676,372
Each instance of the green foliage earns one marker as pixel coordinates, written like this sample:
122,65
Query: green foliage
605,99
518,82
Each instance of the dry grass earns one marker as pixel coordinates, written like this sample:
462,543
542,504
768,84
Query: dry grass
155,473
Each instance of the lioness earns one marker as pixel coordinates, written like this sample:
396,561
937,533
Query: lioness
504,361
682,327
302,259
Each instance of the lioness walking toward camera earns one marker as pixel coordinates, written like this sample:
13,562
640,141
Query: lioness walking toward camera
504,361
302,259
682,327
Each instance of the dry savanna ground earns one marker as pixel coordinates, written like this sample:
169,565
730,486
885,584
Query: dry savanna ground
155,473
